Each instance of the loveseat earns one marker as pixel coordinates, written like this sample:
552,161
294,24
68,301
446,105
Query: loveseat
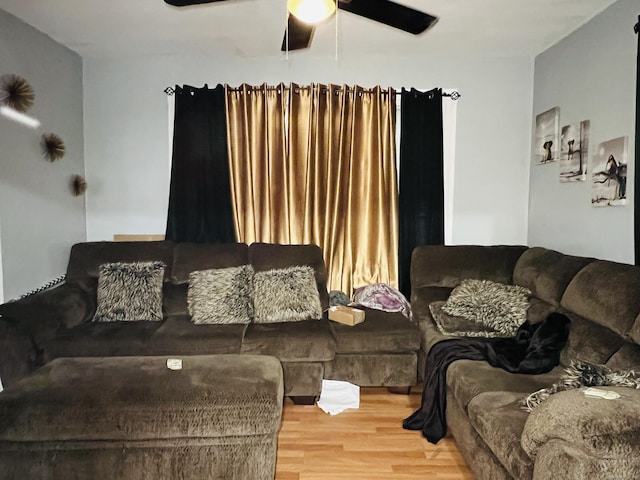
59,322
569,435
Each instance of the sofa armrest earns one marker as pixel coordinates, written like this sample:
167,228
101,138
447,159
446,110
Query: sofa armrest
26,325
421,297
604,429
64,306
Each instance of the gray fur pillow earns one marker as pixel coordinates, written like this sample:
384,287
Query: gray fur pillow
502,308
286,295
221,295
130,292
451,325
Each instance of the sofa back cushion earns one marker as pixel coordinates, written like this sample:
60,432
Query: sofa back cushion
192,257
85,258
589,342
447,266
627,358
269,256
547,272
635,331
606,293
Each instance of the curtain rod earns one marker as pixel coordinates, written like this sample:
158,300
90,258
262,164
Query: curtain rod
454,95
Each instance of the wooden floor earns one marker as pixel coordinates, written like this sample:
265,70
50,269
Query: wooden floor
364,444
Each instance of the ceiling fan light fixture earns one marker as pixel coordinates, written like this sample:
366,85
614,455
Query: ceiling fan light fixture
311,11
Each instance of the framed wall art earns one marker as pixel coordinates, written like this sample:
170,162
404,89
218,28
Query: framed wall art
574,152
609,173
546,142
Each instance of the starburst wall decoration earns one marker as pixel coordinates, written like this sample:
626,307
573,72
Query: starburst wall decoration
52,147
16,93
78,185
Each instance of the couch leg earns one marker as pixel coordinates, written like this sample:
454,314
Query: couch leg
303,399
400,390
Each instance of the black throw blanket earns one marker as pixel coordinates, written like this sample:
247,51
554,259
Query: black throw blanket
534,349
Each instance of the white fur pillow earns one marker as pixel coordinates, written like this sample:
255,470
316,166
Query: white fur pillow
221,295
286,295
502,308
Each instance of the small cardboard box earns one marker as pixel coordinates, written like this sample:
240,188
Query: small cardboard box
346,315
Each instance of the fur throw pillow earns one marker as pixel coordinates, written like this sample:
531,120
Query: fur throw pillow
221,296
500,307
451,325
584,374
130,292
286,295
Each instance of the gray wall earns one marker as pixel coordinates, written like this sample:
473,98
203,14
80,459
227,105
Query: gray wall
126,134
590,75
40,219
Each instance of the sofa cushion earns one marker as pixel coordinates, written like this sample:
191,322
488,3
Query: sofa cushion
501,307
469,378
627,358
85,258
380,332
589,342
130,292
221,295
539,310
286,295
547,272
267,256
102,339
605,429
308,341
179,336
635,331
447,266
499,420
606,293
190,257
174,299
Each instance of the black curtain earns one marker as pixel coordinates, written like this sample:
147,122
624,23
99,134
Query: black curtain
636,173
421,196
200,194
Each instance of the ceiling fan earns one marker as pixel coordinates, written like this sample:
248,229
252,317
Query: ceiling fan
301,32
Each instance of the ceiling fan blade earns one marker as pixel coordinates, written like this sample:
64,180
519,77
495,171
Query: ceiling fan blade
186,3
300,34
390,13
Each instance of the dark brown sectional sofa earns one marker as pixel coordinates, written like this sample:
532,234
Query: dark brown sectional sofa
382,351
568,436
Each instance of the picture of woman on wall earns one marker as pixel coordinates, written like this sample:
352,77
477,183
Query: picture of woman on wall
609,177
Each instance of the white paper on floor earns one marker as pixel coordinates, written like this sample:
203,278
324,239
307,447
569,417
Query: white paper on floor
336,396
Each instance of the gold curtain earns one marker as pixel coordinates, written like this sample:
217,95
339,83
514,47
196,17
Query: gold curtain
257,159
335,179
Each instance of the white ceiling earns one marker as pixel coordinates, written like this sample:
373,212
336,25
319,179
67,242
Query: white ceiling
254,28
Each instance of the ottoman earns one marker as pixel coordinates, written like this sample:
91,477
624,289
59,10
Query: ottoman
134,418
